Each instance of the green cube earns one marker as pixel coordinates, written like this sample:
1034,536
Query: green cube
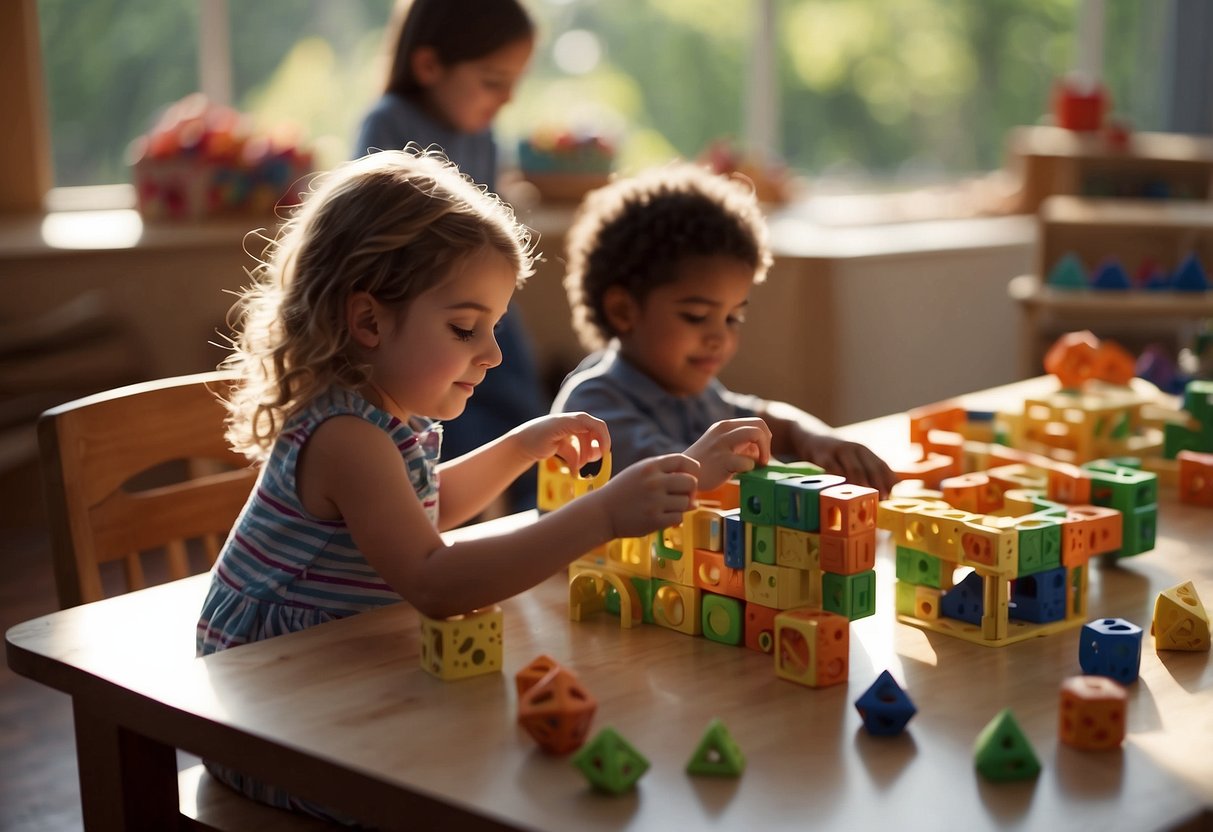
918,567
723,618
851,595
762,544
1039,544
758,495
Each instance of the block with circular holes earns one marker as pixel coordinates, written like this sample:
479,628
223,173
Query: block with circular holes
812,647
1092,713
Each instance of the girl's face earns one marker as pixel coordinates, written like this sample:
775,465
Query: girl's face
467,95
430,357
685,332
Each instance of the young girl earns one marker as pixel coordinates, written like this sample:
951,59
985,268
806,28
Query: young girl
454,64
374,314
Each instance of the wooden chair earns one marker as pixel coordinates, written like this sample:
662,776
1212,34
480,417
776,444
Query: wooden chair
142,476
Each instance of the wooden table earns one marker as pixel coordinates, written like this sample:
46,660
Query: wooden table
343,713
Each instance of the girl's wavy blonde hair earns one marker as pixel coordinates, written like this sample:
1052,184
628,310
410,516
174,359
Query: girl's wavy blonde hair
393,223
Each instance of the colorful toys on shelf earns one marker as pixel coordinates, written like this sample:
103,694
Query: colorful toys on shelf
563,165
463,645
203,161
1068,272
1092,713
1180,620
773,182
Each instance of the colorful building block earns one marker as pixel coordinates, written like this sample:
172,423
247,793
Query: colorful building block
722,618
1002,752
557,711
1110,647
610,762
812,647
463,645
717,754
884,707
1180,620
1093,713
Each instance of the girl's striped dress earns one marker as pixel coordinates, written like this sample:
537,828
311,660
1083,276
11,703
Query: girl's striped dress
282,570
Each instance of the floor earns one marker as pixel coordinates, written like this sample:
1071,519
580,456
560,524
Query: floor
38,789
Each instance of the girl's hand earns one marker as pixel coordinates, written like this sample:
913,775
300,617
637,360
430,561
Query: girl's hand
577,438
649,495
850,459
730,447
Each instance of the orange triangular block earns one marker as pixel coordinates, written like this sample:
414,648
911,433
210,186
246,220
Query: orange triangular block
1180,621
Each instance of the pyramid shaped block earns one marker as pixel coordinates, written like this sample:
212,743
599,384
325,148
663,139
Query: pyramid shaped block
610,763
1190,276
1180,620
1068,273
1111,275
884,707
717,753
1003,753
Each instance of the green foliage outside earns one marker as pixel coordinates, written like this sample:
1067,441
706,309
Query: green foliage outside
884,90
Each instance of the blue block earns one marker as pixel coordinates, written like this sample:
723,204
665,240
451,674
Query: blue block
1110,647
964,601
1111,275
1041,597
1190,277
884,707
734,540
796,500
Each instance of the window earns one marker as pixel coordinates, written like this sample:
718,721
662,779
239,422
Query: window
869,92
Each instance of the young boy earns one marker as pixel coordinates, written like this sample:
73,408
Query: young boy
660,268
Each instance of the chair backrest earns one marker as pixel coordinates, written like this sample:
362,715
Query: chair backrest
140,470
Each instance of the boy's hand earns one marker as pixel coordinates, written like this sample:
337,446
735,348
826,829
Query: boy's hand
730,447
850,459
577,438
649,495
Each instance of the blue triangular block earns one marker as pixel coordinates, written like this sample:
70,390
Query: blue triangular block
884,707
1190,277
1068,273
1111,275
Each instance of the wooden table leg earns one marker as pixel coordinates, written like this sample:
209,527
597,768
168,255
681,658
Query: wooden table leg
127,781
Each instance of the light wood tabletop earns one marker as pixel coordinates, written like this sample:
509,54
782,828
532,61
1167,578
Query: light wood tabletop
344,714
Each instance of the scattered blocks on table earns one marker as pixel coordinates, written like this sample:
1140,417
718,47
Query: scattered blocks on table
1110,647
884,707
610,762
1003,753
1180,620
462,645
1092,713
557,711
717,753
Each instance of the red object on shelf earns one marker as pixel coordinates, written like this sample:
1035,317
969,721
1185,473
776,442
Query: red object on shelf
1079,110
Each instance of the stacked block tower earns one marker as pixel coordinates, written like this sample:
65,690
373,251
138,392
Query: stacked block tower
780,559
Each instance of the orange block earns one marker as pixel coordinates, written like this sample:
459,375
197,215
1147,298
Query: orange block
1069,484
847,510
849,555
1092,713
760,627
946,415
1102,526
971,492
712,575
540,666
556,711
1195,478
1114,364
1072,358
812,647
725,496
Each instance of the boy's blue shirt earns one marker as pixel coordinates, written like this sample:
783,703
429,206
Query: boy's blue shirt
644,420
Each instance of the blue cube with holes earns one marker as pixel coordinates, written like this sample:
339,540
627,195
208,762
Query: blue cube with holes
1041,597
1110,647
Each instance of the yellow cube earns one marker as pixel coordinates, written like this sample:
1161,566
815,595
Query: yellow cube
462,645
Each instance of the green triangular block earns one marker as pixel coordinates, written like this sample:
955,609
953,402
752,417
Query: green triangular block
1003,752
717,753
1068,273
610,763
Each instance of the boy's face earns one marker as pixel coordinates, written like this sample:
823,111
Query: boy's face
686,331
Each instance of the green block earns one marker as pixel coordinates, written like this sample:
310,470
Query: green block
796,500
762,544
1039,544
1198,400
1068,273
1176,438
758,495
918,567
1123,488
1138,531
1002,752
610,763
644,588
851,595
717,754
904,596
723,618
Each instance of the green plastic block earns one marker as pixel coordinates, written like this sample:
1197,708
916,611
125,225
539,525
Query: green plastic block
758,495
918,567
1140,525
1039,545
722,618
797,504
717,754
1002,751
762,544
644,588
904,598
1123,489
610,763
1068,273
1176,438
851,595
1198,400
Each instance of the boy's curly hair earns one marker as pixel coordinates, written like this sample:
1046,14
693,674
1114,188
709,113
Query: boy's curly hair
393,224
634,232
